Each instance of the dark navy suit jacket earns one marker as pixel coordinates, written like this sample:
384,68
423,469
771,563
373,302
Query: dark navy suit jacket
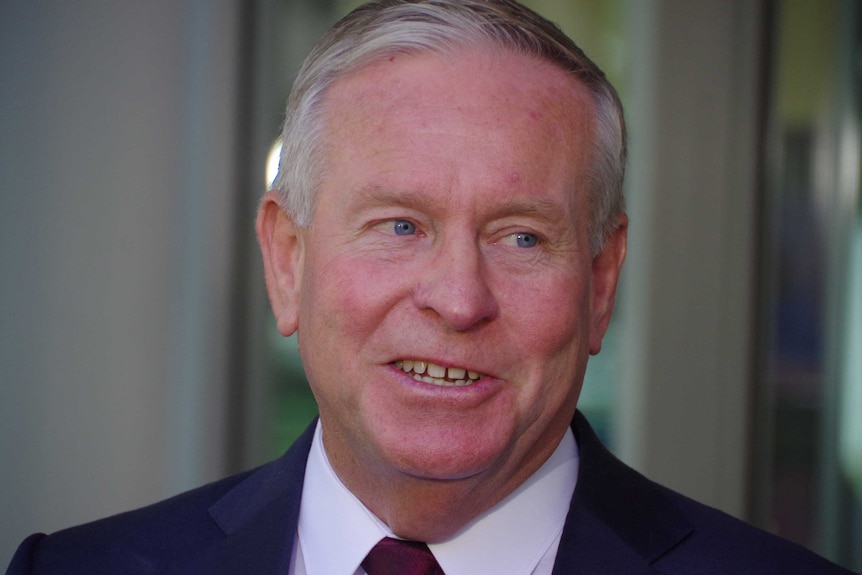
619,523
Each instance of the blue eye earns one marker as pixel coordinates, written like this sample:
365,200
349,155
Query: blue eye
404,228
525,240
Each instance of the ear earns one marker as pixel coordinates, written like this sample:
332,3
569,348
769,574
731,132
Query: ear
605,276
282,247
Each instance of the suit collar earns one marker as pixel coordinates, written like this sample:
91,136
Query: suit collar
258,518
618,511
277,484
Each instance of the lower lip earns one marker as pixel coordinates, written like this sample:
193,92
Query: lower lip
427,396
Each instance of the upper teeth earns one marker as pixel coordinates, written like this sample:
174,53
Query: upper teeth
437,374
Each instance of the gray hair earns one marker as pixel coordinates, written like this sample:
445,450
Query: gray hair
377,30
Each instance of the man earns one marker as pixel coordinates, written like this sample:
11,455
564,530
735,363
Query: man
445,236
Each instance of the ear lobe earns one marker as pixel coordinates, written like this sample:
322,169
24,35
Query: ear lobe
282,248
605,277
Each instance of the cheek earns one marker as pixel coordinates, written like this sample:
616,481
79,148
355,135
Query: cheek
346,298
550,338
550,332
549,316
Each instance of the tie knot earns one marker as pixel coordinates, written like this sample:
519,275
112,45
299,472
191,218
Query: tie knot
399,557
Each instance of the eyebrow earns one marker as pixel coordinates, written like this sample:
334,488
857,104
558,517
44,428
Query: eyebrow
373,195
540,209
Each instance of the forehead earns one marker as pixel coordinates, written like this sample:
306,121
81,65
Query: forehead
532,91
481,113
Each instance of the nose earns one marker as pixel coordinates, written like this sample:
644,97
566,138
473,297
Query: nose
455,286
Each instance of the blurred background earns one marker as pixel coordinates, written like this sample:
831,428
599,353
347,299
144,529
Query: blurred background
138,357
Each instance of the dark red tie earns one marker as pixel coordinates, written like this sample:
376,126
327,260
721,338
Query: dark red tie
398,557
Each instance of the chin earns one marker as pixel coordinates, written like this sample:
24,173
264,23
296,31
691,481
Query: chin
444,456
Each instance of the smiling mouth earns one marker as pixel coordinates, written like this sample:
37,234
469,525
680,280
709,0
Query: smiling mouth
437,374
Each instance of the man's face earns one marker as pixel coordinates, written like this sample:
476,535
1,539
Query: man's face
449,241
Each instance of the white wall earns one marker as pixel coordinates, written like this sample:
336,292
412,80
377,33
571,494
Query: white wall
116,196
689,284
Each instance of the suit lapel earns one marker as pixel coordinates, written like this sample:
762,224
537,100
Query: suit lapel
258,518
591,547
618,522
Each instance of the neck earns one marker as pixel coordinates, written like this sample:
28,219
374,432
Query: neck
429,510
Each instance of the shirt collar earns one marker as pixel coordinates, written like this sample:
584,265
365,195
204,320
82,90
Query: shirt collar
336,531
514,535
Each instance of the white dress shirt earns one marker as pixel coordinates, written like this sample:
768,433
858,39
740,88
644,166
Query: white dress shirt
518,536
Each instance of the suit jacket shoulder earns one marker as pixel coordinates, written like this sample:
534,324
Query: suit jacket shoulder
621,522
222,527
